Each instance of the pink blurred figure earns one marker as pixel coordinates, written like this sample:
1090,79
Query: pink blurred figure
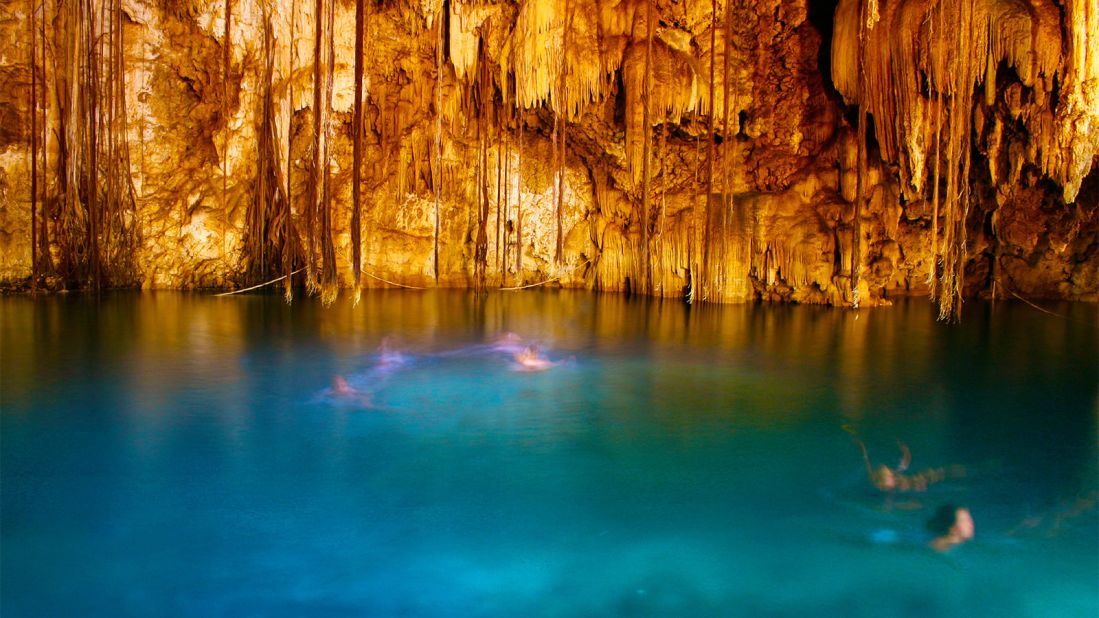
529,360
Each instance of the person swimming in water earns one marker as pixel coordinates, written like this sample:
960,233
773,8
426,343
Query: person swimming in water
952,525
388,356
887,479
508,343
894,480
341,390
529,360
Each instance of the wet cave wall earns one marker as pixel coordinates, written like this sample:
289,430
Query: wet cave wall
839,153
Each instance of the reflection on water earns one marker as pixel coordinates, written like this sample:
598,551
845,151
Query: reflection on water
227,456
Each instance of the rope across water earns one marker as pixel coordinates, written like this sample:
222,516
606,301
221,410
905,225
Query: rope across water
410,287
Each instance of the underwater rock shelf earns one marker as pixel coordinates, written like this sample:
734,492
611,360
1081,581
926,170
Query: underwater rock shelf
717,151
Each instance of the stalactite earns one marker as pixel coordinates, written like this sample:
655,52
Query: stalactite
329,282
959,46
356,136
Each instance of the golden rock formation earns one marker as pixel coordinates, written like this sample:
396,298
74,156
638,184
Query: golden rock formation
683,149
944,80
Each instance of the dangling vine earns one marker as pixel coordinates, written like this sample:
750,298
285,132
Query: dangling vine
328,283
268,235
646,145
289,237
357,156
34,144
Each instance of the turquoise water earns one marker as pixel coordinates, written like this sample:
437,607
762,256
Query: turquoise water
184,455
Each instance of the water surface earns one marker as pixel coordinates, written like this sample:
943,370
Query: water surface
183,455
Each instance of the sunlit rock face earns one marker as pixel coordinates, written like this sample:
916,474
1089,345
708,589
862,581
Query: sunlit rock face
665,148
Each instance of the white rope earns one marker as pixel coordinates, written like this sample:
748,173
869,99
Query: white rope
400,285
1032,304
532,285
551,279
260,285
410,287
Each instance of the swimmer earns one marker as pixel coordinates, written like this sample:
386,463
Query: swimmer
894,480
528,360
887,479
389,357
509,343
341,390
952,525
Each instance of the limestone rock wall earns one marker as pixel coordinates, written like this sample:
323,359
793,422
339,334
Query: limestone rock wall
545,116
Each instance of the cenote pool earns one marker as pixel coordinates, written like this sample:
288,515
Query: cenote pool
183,455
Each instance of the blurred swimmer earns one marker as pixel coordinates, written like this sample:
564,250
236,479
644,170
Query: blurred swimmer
887,479
952,525
894,479
340,387
508,343
388,356
528,359
341,390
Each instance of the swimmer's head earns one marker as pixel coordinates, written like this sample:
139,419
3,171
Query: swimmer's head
884,478
955,522
340,385
963,524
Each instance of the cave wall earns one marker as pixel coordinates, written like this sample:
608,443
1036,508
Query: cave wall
774,219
